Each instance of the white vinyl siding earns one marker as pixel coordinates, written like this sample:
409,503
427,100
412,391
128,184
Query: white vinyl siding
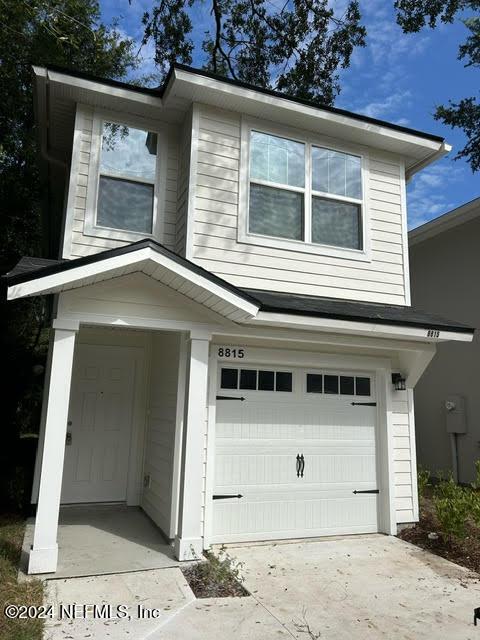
404,458
215,215
77,242
160,429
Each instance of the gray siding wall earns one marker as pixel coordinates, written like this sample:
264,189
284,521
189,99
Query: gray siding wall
445,272
160,431
216,248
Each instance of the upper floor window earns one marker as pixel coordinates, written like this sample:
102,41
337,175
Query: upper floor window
126,187
303,192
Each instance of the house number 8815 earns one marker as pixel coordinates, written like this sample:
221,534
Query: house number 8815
227,352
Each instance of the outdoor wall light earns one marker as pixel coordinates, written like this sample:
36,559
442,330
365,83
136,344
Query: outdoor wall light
398,382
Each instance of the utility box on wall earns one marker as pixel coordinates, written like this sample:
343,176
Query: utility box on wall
455,413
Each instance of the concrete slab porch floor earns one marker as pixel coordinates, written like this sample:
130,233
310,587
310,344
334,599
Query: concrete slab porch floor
102,539
366,587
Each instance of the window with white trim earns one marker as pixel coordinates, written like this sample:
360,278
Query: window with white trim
304,192
127,176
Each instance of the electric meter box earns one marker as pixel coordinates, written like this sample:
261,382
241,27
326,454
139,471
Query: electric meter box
455,414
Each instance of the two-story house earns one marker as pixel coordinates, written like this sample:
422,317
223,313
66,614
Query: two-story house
233,347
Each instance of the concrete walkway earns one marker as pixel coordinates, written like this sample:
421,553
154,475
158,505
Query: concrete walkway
103,539
356,587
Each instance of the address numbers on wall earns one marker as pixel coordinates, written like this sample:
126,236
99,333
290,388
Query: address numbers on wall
236,353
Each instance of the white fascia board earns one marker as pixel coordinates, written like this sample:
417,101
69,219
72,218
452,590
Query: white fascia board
188,85
311,323
56,77
414,168
55,282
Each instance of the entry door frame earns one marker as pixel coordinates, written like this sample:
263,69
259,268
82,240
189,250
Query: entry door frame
137,432
379,368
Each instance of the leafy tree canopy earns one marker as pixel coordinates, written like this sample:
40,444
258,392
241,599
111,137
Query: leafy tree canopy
64,32
412,16
296,47
68,33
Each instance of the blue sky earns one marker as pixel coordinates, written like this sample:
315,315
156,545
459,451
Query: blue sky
397,77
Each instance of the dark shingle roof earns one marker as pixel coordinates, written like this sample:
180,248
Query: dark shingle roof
269,301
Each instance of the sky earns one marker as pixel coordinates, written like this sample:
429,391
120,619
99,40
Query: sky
397,77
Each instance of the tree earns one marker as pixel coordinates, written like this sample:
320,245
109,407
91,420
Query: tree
297,47
67,33
412,16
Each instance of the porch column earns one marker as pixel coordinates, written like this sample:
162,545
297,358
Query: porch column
44,551
188,541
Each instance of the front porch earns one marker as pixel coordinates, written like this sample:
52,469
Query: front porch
104,539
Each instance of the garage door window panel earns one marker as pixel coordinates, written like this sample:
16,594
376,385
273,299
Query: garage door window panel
256,380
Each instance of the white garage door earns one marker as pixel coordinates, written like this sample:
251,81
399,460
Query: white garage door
295,457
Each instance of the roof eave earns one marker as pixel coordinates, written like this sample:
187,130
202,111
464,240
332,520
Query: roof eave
330,324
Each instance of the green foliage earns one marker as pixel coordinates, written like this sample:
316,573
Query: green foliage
412,16
297,48
67,33
423,481
221,568
452,504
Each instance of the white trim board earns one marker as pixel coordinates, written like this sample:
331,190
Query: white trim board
153,264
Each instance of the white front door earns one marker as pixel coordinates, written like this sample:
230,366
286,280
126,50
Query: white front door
300,450
100,425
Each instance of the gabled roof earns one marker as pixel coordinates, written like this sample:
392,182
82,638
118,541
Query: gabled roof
160,91
146,256
59,90
35,276
450,220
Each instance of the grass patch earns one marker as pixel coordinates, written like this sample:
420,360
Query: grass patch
217,576
12,592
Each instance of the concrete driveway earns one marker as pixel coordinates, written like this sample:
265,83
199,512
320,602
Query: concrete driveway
352,587
362,587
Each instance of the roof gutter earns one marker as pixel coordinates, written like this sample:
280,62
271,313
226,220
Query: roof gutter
43,107
444,149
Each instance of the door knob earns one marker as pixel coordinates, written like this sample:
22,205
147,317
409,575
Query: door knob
68,439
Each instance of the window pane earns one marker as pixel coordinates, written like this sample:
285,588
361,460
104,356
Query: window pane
128,152
314,383
248,379
336,223
283,381
229,379
362,386
277,159
353,187
125,205
336,173
266,380
330,384
275,212
347,386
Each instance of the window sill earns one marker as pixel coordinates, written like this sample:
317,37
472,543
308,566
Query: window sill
299,246
120,235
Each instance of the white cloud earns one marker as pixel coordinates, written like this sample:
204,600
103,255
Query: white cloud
427,194
391,104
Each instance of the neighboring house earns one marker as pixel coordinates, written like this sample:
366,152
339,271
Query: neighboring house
445,273
232,329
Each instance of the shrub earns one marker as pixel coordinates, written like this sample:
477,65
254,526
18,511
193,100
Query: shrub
452,504
219,576
423,481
